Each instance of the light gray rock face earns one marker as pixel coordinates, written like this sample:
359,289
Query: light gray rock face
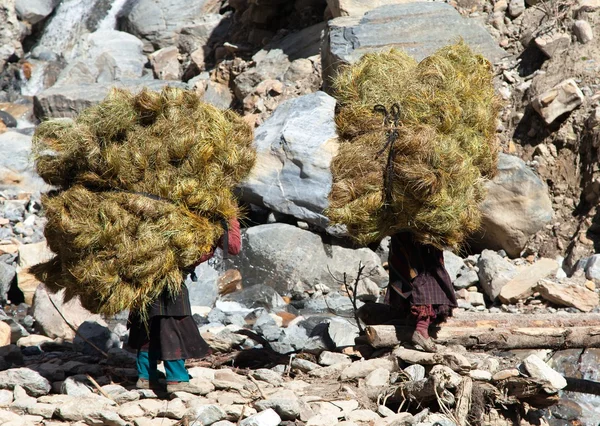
10,32
538,369
280,256
559,100
69,100
159,22
16,166
34,11
7,276
494,272
453,264
91,332
30,380
516,207
203,290
105,56
404,26
295,147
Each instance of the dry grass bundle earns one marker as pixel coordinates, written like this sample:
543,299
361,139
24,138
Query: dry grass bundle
445,145
144,182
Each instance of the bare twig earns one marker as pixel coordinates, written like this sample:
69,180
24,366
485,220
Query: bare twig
351,291
74,329
253,380
241,415
97,386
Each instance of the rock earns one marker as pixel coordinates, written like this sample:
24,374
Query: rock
494,272
201,37
516,207
453,264
304,365
266,326
506,374
203,291
121,396
467,279
49,321
322,420
165,63
7,276
538,369
363,416
265,418
6,398
22,401
583,30
16,166
291,174
10,34
587,5
257,296
341,332
405,26
568,295
5,334
34,11
330,372
475,298
553,43
77,386
160,22
592,268
11,354
481,375
561,99
281,256
268,376
523,284
217,94
174,409
103,57
294,336
330,358
415,371
87,409
398,419
70,99
92,333
363,368
286,408
30,380
377,378
159,421
358,7
516,8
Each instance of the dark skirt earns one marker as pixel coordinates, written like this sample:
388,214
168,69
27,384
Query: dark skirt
170,331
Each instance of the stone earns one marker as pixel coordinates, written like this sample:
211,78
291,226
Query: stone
49,321
5,334
10,36
583,31
203,291
28,379
281,256
292,171
505,374
304,365
592,268
174,409
342,333
68,100
466,279
257,296
517,206
481,375
77,386
475,298
266,326
405,26
398,419
322,420
34,11
16,166
331,372
327,358
7,276
268,376
218,94
363,416
12,354
205,415
415,371
568,295
377,378
265,418
22,401
121,395
6,398
160,421
523,284
33,340
538,369
99,335
587,5
160,22
494,272
561,99
363,368
44,410
553,43
286,408
358,7
165,63
203,35
516,8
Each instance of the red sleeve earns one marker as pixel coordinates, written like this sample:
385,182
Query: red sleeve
235,237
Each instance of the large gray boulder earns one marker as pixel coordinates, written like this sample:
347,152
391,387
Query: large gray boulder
34,11
516,207
494,273
16,165
413,27
69,100
105,56
295,147
10,32
281,256
159,22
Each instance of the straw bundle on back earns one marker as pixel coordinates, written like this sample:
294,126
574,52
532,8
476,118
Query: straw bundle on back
144,182
439,117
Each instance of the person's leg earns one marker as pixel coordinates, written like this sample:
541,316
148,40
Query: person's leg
147,368
176,372
423,315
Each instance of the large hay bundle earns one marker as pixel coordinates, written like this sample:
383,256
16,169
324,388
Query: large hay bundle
144,182
442,114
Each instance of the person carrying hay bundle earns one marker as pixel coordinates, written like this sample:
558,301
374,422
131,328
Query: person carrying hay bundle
417,143
144,183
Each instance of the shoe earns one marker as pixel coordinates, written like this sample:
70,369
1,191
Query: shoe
184,387
146,384
426,343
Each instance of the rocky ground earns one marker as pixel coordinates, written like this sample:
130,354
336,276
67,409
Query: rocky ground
283,329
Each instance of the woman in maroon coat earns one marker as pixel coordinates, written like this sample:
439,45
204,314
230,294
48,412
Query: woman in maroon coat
171,334
420,286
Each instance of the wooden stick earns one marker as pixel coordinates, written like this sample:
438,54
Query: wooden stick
97,386
463,400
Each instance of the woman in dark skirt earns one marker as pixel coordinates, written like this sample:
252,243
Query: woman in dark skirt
420,286
171,334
